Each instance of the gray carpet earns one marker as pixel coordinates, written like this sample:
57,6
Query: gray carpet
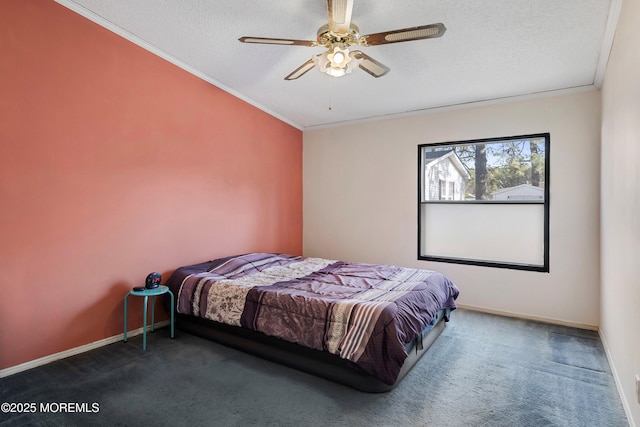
484,370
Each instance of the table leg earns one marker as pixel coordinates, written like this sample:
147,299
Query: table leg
144,326
125,317
153,313
173,308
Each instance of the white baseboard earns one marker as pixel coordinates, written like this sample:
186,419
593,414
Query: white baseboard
77,350
616,378
528,317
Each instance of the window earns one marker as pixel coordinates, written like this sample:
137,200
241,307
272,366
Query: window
485,202
446,189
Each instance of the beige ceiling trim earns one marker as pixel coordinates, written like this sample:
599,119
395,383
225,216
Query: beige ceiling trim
453,107
607,41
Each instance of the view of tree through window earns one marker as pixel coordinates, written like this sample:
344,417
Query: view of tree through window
503,170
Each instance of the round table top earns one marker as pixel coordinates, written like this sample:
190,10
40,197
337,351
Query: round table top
161,289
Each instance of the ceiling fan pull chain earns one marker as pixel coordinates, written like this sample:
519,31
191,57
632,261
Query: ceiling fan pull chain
330,93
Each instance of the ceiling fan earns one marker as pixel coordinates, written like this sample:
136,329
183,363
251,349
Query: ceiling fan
340,34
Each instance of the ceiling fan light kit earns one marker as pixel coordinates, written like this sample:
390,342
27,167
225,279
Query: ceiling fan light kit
339,35
336,61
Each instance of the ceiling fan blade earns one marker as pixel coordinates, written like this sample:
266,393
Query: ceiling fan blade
265,40
406,34
339,15
301,70
370,65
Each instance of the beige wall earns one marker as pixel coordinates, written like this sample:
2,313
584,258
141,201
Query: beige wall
360,196
620,321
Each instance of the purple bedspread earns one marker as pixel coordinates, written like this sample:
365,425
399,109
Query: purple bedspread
364,313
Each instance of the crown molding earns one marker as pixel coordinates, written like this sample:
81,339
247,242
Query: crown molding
607,41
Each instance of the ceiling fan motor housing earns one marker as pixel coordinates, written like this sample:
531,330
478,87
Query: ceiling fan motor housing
328,38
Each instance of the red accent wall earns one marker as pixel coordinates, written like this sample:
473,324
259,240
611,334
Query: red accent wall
115,163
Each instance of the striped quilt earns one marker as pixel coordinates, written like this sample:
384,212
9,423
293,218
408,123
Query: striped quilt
364,313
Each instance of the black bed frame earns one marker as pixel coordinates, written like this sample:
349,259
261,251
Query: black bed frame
322,364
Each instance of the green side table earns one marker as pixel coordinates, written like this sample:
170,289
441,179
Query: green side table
146,293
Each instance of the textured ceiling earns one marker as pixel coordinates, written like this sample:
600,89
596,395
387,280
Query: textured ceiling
491,50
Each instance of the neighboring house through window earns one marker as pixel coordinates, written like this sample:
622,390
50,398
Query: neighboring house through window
445,174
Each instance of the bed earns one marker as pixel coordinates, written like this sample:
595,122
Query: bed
362,325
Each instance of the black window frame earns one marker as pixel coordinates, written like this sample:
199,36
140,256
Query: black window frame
478,262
